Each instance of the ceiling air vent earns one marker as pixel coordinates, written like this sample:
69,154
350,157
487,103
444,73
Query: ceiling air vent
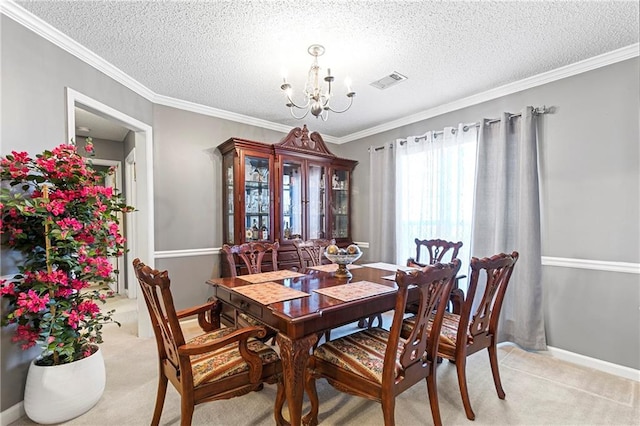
388,81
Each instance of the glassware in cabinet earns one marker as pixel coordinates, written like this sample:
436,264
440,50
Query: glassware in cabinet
257,197
340,197
291,220
316,201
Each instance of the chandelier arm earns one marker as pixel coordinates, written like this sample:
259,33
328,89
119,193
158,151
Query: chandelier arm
295,116
329,108
306,105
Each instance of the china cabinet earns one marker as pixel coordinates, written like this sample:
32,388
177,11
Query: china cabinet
292,189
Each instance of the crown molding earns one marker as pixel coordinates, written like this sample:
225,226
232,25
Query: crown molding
227,115
46,31
43,29
219,113
599,61
49,33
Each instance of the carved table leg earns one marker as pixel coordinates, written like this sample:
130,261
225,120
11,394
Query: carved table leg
294,355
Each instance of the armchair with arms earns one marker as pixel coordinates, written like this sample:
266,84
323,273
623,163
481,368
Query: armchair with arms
221,363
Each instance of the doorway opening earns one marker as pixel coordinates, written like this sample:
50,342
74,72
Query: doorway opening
139,229
119,285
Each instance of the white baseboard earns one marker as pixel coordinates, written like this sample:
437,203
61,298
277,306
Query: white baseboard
596,364
12,414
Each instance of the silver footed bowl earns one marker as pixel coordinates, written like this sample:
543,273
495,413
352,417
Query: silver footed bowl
342,259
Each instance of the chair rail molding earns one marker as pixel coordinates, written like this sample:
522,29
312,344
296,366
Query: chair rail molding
598,265
168,254
562,262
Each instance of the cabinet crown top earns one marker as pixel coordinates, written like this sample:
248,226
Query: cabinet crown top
300,140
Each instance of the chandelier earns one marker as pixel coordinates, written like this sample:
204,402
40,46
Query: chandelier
316,101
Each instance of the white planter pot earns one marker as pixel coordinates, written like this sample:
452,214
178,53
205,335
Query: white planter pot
54,394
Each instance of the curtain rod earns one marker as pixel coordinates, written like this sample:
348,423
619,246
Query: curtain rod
536,111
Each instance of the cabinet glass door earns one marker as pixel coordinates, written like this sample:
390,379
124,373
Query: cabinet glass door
316,201
257,220
291,202
340,204
229,191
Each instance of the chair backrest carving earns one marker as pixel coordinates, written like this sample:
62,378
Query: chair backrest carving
437,249
433,284
496,272
252,255
311,250
159,301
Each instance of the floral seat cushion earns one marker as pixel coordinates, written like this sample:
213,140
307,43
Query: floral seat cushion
244,320
226,361
361,353
448,333
250,320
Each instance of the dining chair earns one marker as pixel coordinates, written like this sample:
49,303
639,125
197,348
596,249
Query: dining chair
311,252
252,255
437,250
378,364
465,334
221,363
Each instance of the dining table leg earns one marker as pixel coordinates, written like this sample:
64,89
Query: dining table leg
294,355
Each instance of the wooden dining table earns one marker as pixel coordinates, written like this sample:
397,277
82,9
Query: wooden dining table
301,319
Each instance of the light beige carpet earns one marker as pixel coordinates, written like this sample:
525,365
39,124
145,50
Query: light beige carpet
540,390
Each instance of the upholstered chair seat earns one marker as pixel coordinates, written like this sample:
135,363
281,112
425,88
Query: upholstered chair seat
448,333
361,353
226,361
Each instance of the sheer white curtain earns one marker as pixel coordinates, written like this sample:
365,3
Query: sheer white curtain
507,218
382,202
434,189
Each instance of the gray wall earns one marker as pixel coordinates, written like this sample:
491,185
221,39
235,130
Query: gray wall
104,149
589,160
34,76
590,178
188,181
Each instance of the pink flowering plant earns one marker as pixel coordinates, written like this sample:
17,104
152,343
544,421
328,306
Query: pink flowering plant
57,212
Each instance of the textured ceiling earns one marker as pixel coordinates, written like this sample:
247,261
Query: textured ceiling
231,55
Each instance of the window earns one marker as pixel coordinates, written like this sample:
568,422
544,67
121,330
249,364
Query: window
435,176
